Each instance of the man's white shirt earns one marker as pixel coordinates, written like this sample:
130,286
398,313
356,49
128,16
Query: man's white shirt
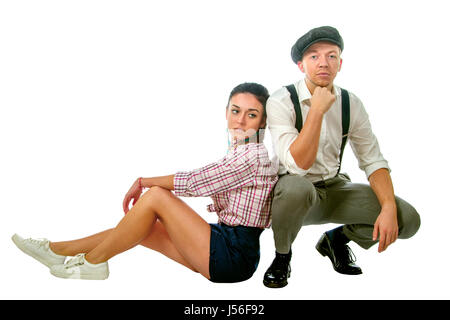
281,122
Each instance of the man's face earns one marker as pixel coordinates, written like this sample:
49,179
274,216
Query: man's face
321,63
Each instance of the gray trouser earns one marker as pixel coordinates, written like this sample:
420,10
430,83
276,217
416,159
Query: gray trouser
297,202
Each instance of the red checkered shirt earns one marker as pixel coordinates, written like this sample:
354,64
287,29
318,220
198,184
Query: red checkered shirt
239,184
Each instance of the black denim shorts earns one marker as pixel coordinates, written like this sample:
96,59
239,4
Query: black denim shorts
234,252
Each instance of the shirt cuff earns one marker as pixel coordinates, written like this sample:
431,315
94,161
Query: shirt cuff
291,165
180,183
375,166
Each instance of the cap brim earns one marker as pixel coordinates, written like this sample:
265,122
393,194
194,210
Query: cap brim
320,40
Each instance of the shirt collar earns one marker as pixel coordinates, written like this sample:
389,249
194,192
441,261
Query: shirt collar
256,138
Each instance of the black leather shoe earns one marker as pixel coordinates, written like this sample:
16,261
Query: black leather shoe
341,255
279,271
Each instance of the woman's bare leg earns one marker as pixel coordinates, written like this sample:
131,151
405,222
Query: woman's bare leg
157,240
188,232
73,247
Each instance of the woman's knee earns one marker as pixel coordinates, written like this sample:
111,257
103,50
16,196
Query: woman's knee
153,196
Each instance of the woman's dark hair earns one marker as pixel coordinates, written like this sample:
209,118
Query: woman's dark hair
259,91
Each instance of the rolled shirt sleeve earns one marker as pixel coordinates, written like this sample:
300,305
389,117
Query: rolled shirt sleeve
364,142
233,171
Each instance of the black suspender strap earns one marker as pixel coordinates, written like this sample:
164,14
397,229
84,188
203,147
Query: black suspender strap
345,123
345,116
298,111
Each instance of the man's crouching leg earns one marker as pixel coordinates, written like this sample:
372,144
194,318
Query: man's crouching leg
294,195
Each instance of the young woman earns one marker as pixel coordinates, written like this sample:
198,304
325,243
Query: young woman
240,185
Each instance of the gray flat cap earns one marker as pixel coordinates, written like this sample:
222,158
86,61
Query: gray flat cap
325,33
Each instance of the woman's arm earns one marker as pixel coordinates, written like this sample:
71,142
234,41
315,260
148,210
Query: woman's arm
135,191
235,171
228,174
165,182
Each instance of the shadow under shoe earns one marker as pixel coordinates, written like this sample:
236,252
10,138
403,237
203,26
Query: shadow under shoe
279,271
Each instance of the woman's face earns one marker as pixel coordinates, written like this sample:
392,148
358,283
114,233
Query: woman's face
244,115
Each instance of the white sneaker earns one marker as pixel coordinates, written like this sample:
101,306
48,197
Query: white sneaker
79,268
39,249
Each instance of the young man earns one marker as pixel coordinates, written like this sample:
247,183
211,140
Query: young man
310,189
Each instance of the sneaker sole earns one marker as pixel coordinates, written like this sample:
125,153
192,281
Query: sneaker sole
78,275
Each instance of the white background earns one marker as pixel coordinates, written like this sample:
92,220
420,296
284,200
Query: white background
94,94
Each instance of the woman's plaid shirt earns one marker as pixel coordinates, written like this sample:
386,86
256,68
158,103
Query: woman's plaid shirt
239,184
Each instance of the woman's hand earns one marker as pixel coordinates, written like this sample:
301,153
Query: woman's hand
133,194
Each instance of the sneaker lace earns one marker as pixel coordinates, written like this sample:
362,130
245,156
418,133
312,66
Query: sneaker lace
41,242
78,260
